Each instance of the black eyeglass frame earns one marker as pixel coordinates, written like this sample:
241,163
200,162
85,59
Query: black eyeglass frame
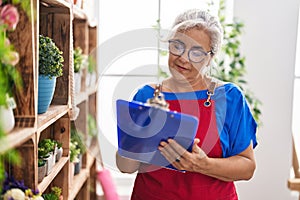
178,41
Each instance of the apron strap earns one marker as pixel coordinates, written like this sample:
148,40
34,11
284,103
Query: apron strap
210,92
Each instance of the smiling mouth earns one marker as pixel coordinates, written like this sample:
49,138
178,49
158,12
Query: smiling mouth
180,68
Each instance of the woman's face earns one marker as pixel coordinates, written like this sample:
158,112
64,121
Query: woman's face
192,42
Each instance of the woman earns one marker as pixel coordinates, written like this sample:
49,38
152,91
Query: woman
223,149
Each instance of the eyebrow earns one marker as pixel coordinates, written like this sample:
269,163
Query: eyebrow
193,47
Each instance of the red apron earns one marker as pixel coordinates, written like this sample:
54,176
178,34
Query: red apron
164,184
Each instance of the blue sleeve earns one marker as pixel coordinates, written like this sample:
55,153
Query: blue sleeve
240,123
143,94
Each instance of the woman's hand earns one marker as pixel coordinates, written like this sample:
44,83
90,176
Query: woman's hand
180,158
237,167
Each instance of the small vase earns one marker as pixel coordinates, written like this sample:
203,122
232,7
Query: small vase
77,165
58,154
50,163
7,119
46,89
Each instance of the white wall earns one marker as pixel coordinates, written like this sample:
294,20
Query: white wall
269,43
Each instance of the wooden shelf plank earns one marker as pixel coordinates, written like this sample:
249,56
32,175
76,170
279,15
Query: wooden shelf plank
78,182
294,184
90,161
15,138
55,170
54,113
56,3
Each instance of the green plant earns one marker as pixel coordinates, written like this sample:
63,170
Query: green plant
48,145
91,64
78,59
77,137
56,190
231,65
50,58
41,162
50,196
74,151
92,126
43,152
58,144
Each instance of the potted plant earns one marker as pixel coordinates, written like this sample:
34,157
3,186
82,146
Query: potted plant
57,191
74,152
46,149
42,167
78,64
55,194
59,150
50,67
78,139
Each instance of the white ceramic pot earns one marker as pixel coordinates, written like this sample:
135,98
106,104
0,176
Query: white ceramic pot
77,80
7,119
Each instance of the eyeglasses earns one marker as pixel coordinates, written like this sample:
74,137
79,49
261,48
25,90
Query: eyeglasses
195,54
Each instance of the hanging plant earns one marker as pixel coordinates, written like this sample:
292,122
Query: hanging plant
231,63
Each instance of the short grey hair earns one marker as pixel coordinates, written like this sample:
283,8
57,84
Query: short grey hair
195,18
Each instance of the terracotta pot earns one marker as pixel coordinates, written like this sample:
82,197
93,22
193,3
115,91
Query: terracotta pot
42,172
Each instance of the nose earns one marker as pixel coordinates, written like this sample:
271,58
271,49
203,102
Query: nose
185,57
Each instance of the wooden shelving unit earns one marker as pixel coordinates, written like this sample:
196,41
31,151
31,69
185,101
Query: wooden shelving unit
69,27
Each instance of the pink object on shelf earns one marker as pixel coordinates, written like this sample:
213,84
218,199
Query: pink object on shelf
108,186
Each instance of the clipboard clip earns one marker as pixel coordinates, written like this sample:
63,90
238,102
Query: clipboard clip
158,99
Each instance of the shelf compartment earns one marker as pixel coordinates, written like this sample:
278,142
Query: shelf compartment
61,21
53,114
55,171
15,138
80,178
25,171
23,39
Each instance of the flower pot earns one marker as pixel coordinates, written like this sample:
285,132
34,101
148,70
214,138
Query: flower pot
77,165
77,80
7,119
42,172
50,163
58,154
46,89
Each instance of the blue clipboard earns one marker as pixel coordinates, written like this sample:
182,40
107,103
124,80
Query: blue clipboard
142,127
